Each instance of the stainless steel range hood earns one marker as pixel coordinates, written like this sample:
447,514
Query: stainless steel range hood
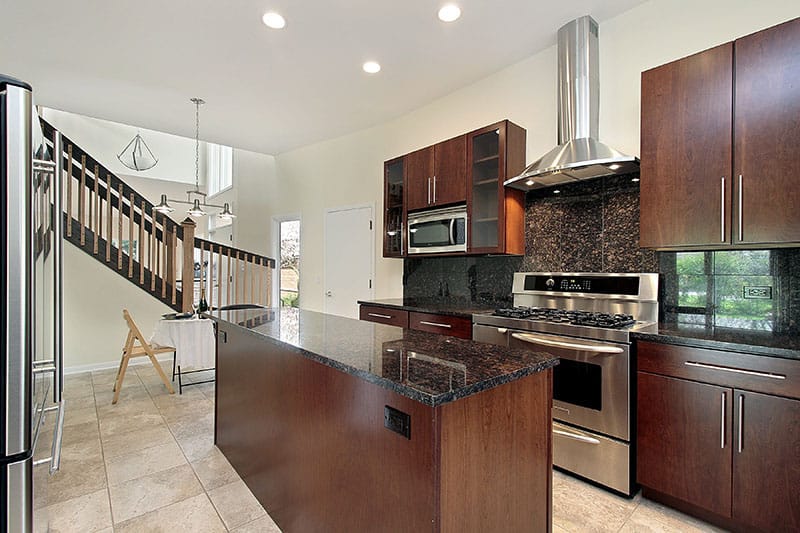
579,155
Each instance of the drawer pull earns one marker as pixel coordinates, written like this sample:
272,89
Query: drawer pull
377,315
435,324
735,370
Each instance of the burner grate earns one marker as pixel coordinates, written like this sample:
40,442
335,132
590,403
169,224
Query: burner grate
577,318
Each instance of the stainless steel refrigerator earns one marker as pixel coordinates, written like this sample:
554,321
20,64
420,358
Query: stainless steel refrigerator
31,222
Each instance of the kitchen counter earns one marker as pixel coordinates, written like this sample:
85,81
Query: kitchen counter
444,368
460,307
344,425
729,339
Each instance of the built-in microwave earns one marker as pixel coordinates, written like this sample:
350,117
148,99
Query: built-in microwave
438,230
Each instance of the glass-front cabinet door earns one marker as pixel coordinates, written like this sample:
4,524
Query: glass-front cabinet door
394,212
495,153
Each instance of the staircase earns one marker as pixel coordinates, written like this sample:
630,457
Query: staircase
110,221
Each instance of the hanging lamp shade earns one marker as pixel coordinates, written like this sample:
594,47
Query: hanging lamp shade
137,155
196,210
163,206
226,212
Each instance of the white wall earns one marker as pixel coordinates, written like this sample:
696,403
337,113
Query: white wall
94,330
104,140
348,170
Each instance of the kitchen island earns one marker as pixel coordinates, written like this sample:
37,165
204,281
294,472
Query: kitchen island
341,425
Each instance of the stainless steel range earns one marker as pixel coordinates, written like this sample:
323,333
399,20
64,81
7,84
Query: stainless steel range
586,320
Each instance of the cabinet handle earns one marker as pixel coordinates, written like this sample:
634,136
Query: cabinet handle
736,370
377,315
722,210
434,188
740,446
741,225
435,324
429,191
722,422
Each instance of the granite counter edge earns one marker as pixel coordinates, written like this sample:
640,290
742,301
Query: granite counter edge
713,344
430,309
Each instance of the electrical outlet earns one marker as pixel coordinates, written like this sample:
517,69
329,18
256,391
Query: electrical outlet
757,292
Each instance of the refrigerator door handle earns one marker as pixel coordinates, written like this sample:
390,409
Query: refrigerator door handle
55,450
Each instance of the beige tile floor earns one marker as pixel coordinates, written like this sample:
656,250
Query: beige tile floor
149,464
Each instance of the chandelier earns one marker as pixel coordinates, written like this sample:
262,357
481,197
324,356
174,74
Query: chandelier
137,155
195,197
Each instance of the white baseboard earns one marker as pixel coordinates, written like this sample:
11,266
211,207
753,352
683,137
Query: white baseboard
109,365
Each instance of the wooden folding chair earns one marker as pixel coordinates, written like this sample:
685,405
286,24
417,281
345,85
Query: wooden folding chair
131,349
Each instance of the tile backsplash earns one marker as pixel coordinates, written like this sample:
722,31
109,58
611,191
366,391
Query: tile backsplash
593,226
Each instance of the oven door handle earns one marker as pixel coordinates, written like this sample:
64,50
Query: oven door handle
535,339
562,431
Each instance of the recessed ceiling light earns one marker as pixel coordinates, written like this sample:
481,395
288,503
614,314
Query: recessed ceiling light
449,13
371,67
274,21
614,166
529,183
634,179
556,191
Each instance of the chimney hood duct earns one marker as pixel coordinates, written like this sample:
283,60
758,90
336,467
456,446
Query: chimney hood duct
579,155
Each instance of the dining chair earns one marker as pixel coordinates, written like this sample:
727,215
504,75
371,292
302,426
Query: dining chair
137,346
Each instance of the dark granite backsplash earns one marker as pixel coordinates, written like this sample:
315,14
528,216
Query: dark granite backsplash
593,226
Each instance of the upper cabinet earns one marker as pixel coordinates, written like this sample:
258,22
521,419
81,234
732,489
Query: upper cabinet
719,165
497,214
394,207
468,169
437,174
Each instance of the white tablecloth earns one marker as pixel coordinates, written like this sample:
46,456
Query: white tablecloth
192,338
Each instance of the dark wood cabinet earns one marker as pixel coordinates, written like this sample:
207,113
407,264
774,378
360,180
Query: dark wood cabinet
497,214
437,174
470,169
684,440
718,435
766,466
766,136
394,212
718,145
442,324
383,315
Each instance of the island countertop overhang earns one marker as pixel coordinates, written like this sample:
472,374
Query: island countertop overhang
428,368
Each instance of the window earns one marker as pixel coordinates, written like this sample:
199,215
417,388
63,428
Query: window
219,167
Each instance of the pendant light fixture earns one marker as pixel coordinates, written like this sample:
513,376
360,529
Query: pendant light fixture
195,197
137,155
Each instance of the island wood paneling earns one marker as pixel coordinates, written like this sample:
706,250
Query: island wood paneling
310,442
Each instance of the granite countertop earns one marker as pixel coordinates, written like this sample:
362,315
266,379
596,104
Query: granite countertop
429,368
730,339
460,307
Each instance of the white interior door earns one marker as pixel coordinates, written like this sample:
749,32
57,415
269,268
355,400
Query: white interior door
349,242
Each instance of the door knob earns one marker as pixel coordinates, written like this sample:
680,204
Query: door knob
328,294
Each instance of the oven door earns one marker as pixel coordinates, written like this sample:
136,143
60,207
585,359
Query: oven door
591,386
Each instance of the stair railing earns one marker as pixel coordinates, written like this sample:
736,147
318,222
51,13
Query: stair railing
116,225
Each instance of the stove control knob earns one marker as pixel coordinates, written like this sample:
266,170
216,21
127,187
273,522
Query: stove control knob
550,283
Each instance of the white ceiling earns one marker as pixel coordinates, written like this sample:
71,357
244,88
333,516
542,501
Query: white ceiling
139,61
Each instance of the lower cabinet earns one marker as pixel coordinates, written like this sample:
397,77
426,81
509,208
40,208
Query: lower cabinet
707,438
454,326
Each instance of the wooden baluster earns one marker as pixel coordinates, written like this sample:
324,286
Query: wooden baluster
252,280
152,254
210,276
165,253
69,191
90,205
219,276
236,278
228,280
258,275
140,245
96,200
110,221
270,272
174,270
131,216
82,200
121,211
